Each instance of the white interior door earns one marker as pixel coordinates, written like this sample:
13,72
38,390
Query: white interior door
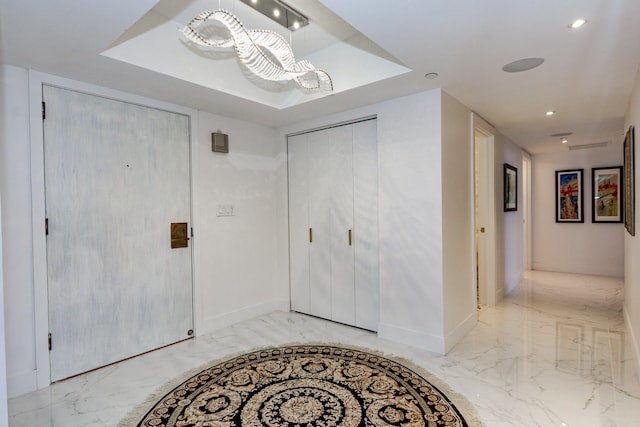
300,232
343,299
333,223
116,176
485,214
365,183
320,224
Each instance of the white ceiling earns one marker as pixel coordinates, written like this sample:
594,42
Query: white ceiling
373,49
353,60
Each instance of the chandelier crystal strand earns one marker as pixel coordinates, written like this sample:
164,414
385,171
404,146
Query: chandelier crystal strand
256,48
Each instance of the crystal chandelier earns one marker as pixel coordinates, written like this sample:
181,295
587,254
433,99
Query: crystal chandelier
265,53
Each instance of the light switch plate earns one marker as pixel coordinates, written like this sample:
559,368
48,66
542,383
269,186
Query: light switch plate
226,210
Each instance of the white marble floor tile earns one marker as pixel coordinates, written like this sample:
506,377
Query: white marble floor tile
554,352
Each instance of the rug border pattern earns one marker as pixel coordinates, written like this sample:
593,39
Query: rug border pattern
458,402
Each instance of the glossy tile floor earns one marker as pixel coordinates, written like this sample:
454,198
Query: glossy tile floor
554,352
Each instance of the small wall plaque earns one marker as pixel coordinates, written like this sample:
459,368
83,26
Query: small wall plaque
219,142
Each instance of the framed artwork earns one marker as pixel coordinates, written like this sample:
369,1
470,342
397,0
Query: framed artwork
569,206
510,188
629,178
606,203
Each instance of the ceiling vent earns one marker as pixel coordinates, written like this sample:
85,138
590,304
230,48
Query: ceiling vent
587,146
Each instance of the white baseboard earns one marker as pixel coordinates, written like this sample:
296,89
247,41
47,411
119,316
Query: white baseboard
211,324
411,337
21,383
634,337
592,270
460,331
513,282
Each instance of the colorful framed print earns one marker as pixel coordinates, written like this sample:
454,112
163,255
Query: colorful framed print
629,178
510,188
569,198
606,203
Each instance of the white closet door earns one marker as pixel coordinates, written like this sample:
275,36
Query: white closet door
339,140
116,177
365,178
298,149
333,189
320,222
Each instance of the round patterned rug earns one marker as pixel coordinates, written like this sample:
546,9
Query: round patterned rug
304,386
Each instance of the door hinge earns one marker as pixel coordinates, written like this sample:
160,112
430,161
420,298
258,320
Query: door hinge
50,342
44,110
46,226
191,231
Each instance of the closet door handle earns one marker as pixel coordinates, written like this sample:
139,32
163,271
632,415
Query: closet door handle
350,237
311,235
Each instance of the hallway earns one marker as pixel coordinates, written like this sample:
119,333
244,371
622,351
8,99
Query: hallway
554,352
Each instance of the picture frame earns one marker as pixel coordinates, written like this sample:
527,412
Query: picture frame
629,182
569,196
606,189
510,188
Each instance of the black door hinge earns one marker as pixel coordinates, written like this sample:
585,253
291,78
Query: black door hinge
50,342
191,231
44,110
46,226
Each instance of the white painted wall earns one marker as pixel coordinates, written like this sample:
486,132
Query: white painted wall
235,258
237,255
410,182
574,247
457,221
410,209
632,243
509,232
4,415
17,259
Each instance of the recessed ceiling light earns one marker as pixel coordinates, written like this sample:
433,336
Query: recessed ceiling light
522,65
431,76
577,23
550,113
564,140
280,12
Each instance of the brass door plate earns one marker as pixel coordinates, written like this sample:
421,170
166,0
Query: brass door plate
179,235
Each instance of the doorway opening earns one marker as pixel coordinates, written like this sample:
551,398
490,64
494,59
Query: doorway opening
526,212
484,198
